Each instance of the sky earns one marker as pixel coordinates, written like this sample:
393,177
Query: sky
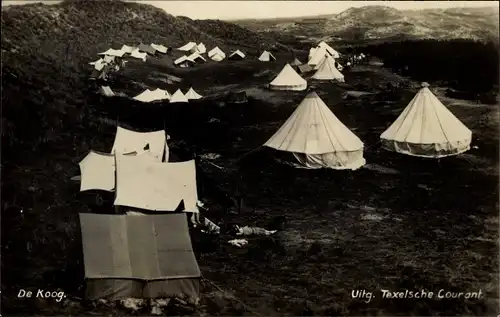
226,10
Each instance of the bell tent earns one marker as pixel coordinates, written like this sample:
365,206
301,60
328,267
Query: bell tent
288,79
426,128
178,96
327,71
191,94
315,138
329,49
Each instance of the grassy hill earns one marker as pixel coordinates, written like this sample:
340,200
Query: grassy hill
379,22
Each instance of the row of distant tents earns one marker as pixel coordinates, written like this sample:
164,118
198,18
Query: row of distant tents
157,95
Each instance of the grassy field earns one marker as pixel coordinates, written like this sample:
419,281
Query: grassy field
398,223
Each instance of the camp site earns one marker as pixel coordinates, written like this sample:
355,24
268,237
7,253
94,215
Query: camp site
218,158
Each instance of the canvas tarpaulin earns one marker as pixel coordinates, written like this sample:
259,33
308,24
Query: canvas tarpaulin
138,257
127,141
155,186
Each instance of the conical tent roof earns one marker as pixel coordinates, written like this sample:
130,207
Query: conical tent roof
314,129
318,56
178,96
161,93
191,94
288,79
329,49
327,71
266,57
427,128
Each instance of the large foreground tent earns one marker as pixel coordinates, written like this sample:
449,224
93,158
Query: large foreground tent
328,71
128,141
266,57
138,257
288,79
315,138
426,128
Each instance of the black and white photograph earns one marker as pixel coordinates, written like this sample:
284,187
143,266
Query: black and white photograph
250,158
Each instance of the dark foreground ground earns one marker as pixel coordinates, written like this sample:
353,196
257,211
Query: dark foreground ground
398,223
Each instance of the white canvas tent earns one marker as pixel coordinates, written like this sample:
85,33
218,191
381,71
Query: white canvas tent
426,128
99,61
137,54
138,257
312,50
317,138
329,49
178,96
202,49
288,79
109,58
184,61
189,47
216,54
237,55
327,71
106,91
159,48
266,57
112,52
317,58
98,64
128,141
191,94
128,49
155,186
152,95
196,57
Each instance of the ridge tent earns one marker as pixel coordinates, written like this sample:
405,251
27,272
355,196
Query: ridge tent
112,52
178,96
146,48
296,62
202,49
106,91
329,49
426,128
159,48
189,47
317,138
327,71
184,62
138,257
109,59
216,51
266,57
100,60
155,186
236,55
288,79
128,141
139,55
127,49
195,57
191,94
217,57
